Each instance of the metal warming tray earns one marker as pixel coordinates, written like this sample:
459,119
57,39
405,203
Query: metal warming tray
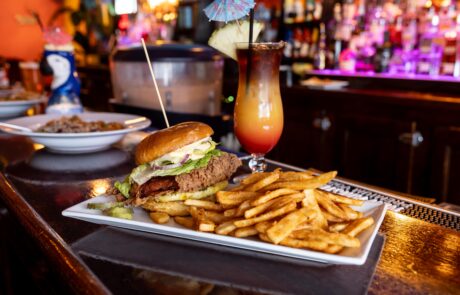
189,78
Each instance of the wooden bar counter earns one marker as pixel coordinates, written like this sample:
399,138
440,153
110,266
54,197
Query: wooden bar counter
37,241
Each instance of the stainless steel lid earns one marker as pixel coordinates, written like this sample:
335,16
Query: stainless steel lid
167,52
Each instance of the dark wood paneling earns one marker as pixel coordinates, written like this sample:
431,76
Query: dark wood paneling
307,139
372,152
446,164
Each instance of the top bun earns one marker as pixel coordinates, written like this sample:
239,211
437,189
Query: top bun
170,139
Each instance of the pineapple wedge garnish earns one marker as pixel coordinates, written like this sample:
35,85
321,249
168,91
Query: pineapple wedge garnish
224,39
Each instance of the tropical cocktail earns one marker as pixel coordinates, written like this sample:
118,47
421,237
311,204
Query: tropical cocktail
258,111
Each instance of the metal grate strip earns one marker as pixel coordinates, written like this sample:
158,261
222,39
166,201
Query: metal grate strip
401,206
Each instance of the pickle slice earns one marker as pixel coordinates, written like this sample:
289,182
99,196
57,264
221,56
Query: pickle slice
120,212
104,206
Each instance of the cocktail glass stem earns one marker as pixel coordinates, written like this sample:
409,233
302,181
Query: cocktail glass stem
257,163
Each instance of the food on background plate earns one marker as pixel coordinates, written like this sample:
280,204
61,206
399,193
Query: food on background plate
19,96
176,164
75,124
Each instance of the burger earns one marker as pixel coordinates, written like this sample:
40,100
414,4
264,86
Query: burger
178,163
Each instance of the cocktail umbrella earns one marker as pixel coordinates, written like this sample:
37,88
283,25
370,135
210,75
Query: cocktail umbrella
228,10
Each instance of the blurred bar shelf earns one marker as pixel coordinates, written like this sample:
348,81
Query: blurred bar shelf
391,76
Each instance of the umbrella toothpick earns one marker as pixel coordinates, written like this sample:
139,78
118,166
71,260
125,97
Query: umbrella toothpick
239,26
155,82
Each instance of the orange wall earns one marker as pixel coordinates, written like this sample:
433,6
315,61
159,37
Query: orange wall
23,41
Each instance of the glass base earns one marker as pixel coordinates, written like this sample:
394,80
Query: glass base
257,163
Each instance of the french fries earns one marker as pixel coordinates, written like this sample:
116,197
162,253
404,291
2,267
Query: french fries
309,201
255,177
330,238
215,217
344,200
288,223
312,183
329,206
263,226
272,195
206,226
159,217
187,222
284,208
267,216
263,182
208,205
170,208
246,232
225,228
234,198
350,213
353,229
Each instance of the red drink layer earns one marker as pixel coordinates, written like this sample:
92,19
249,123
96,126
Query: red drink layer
258,109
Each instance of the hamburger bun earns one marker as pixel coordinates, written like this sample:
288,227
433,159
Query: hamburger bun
170,139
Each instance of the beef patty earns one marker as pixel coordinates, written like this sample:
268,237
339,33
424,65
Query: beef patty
218,169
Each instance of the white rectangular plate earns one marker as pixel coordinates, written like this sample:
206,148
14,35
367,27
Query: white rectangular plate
142,222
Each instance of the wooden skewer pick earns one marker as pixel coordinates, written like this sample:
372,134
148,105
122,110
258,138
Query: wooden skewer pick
155,82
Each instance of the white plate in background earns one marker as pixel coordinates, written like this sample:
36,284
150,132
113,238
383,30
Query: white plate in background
14,108
142,222
315,83
75,143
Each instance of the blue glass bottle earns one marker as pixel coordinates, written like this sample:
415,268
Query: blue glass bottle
65,88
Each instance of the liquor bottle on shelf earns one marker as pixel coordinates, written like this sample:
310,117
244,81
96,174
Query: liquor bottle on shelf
409,33
450,55
297,43
395,32
289,12
319,61
430,50
335,36
318,10
309,10
457,56
347,59
362,40
383,55
299,8
313,43
287,51
377,25
349,10
305,46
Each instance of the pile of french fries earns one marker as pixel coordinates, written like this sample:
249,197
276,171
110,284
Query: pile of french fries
285,208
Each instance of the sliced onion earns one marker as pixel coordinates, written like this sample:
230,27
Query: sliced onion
172,166
166,167
182,162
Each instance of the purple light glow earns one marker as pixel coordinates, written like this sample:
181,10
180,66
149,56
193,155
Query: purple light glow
418,77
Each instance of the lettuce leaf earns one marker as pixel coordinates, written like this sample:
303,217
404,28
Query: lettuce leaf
123,187
141,174
144,172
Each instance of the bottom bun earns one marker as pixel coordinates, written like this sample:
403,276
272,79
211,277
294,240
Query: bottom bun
182,196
